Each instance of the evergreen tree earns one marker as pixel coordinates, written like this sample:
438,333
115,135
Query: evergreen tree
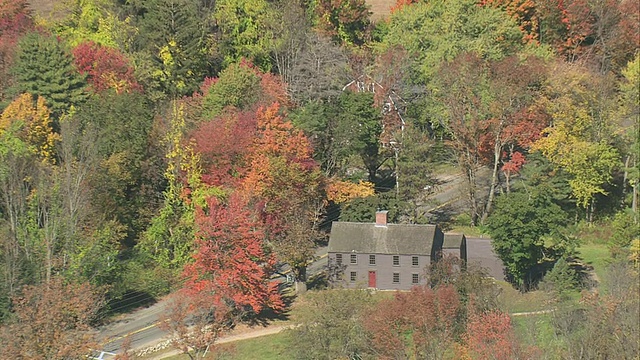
44,67
174,31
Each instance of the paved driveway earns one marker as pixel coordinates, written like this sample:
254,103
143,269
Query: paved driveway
479,251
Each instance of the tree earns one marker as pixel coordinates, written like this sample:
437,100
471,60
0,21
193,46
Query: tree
346,21
486,112
232,263
416,324
208,317
319,72
97,21
225,161
15,20
625,230
175,33
105,68
363,209
579,139
435,32
331,325
122,123
517,227
52,321
629,123
32,118
241,86
491,336
286,183
604,323
358,130
245,31
44,67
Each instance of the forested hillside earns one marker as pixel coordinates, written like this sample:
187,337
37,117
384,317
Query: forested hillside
153,146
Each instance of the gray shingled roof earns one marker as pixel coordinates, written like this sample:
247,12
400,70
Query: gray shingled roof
452,241
406,239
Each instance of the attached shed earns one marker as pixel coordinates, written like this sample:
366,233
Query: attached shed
456,245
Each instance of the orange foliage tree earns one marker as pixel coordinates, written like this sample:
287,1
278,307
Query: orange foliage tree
285,182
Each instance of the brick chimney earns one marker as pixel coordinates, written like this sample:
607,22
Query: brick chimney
381,218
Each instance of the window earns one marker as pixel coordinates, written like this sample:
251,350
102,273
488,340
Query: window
396,260
396,278
415,278
354,258
372,259
339,259
414,261
353,276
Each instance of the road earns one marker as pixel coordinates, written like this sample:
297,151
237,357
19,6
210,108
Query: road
142,328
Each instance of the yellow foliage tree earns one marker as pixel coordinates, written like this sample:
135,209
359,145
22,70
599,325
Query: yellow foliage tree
340,191
34,125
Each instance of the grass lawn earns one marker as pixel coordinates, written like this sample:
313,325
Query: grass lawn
595,255
269,347
513,301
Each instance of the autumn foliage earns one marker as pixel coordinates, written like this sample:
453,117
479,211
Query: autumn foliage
231,260
52,321
105,68
415,324
225,161
33,125
491,336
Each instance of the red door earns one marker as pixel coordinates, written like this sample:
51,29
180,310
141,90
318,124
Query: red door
372,279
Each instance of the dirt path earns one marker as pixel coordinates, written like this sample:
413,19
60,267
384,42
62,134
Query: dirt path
244,334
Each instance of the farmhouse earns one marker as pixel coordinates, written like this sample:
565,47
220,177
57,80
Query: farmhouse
386,256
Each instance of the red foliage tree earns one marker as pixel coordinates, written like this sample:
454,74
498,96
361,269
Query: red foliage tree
224,144
512,166
490,336
415,324
105,67
231,263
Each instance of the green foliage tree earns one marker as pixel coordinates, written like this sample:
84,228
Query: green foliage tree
175,32
358,128
625,230
561,280
517,227
629,125
94,20
236,86
364,209
246,31
44,67
331,326
435,32
122,123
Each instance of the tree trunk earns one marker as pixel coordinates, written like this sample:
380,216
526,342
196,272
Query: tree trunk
494,179
300,279
634,200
